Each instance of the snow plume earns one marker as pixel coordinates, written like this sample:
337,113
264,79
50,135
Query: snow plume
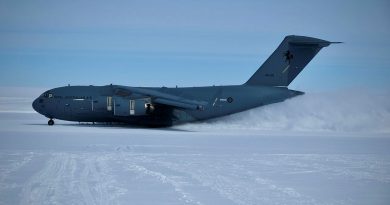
342,111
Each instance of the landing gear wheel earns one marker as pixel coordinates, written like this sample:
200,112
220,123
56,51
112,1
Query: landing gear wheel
50,122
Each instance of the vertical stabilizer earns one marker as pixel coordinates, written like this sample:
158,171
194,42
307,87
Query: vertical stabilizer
287,61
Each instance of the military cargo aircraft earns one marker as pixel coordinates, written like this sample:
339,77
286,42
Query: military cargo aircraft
151,106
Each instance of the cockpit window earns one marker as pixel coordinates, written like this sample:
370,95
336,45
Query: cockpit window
48,95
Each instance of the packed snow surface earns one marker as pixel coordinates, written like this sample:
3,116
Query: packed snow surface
313,149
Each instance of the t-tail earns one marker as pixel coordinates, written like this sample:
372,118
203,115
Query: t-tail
287,61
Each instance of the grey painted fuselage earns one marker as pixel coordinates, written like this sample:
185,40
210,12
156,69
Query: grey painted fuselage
90,103
170,106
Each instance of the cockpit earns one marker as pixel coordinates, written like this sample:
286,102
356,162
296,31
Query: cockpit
47,94
40,104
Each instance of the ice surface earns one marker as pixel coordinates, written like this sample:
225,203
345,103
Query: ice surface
309,150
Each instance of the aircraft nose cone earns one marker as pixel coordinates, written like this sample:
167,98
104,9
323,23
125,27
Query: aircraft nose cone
35,105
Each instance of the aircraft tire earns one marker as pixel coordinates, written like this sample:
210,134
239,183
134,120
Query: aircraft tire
50,122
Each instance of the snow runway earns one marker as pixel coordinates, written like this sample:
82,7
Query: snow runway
204,163
120,177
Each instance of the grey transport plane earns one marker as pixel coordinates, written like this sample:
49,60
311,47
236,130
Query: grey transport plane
162,106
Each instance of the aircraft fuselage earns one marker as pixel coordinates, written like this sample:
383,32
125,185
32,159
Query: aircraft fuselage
113,103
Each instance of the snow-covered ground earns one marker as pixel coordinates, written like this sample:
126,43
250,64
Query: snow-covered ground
314,149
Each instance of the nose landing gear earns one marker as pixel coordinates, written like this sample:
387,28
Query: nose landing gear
50,122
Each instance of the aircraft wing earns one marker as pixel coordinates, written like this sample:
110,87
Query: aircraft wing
169,99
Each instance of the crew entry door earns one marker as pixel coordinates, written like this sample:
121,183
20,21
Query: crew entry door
132,107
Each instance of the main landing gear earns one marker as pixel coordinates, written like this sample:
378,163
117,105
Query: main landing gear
50,122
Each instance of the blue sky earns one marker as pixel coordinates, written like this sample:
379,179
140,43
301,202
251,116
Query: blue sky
189,43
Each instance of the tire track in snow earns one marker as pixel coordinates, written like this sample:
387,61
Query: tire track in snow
7,169
43,187
133,164
96,182
239,185
72,178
